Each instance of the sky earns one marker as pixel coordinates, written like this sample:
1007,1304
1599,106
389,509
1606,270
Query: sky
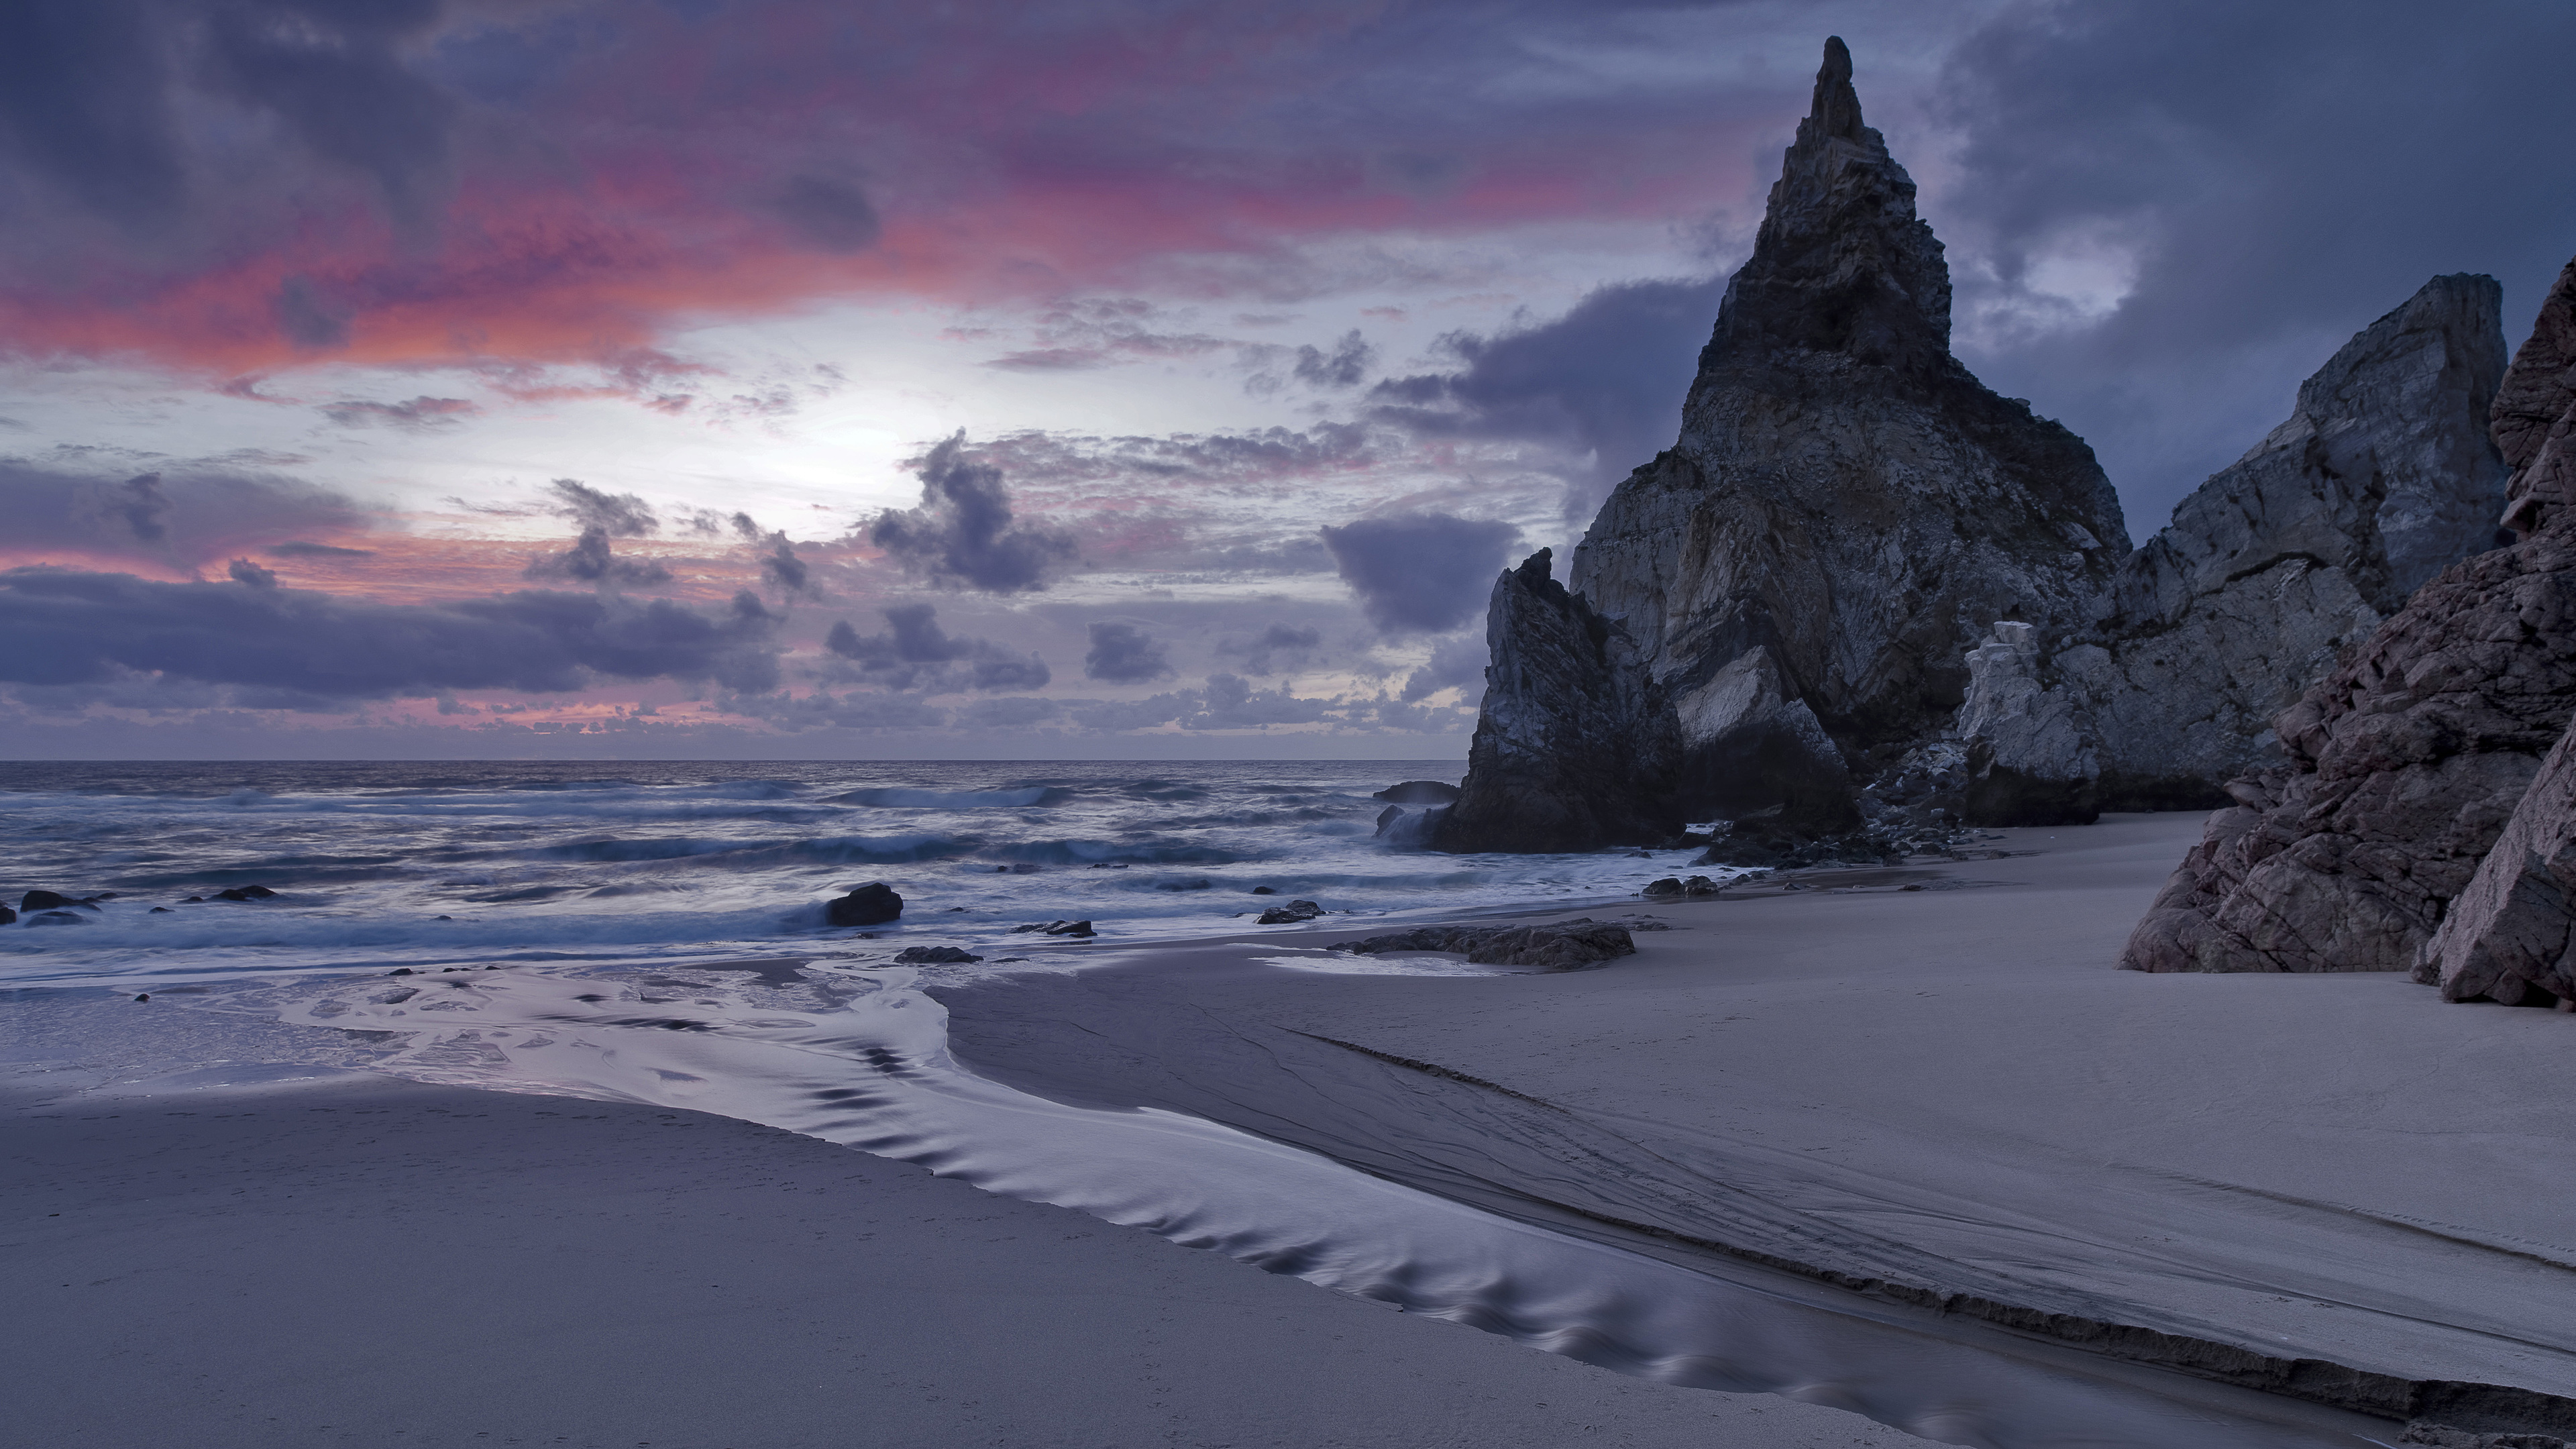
1115,379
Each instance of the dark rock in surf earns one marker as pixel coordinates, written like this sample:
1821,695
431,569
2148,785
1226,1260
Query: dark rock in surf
1264,891
1419,792
1290,914
1389,816
246,893
1077,929
934,956
870,905
7,916
1562,946
47,901
1668,886
155,911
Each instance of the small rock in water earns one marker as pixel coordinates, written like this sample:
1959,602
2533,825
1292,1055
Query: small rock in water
403,970
1263,891
7,915
447,918
1290,914
45,901
1059,928
146,996
246,893
872,904
934,955
193,901
156,910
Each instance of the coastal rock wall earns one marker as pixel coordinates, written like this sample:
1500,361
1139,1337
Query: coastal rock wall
2382,476
2406,763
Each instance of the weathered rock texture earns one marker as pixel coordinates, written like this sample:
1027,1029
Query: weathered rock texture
2383,476
2535,412
2508,935
1559,946
1796,584
2403,766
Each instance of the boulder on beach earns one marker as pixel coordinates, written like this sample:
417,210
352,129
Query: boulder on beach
1290,914
1563,946
934,956
1418,792
872,904
1077,929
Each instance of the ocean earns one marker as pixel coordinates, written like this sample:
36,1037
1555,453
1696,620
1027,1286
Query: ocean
431,865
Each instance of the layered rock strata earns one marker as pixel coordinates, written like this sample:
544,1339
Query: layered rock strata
2407,762
2383,475
1792,590
2508,935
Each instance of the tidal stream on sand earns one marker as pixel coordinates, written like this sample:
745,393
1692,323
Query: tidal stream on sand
861,1056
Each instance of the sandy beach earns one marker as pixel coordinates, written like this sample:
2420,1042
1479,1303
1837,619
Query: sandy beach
1917,1153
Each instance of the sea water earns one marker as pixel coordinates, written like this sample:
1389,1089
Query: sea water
429,865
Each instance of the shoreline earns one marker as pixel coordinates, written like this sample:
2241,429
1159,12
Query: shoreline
1430,1068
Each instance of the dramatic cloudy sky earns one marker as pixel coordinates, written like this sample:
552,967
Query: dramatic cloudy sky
1064,378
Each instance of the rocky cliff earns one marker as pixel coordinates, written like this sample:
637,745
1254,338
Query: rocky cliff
2382,476
1789,594
2404,764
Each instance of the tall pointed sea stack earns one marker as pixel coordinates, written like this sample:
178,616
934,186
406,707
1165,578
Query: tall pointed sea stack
1789,594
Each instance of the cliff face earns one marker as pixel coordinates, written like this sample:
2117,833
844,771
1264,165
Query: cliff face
2382,476
1846,513
2405,763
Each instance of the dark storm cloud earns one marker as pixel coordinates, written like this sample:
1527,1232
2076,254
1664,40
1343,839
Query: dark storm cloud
1606,379
2276,176
74,628
1124,654
963,534
779,565
591,561
619,515
84,102
330,69
1347,365
1263,654
243,571
915,653
178,515
1424,573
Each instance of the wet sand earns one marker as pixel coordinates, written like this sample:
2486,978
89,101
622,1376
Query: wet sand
370,1262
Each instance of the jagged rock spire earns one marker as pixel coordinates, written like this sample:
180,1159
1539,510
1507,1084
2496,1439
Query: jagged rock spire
1841,264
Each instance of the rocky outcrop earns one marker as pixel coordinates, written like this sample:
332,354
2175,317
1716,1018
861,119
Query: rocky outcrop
2535,412
1575,746
2403,766
2382,476
1791,591
2506,938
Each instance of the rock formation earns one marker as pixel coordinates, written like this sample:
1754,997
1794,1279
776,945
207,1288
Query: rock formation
2406,762
872,904
2383,476
1792,590
1560,946
2507,936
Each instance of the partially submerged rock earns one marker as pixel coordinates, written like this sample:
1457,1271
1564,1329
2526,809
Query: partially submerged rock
1419,792
1562,946
872,904
245,893
1290,914
1076,929
934,956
